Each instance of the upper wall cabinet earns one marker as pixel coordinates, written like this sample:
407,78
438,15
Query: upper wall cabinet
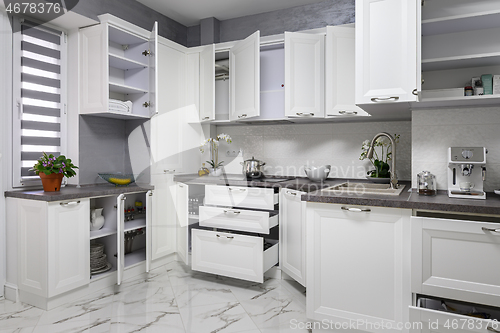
118,69
386,51
244,73
304,75
339,68
460,41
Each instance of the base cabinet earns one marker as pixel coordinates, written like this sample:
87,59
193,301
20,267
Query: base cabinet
358,266
54,253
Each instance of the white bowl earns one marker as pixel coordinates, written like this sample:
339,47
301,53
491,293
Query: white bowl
317,174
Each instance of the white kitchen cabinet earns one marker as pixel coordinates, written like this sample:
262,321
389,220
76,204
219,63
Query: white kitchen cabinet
340,73
207,83
244,74
238,256
456,259
238,219
118,61
53,248
163,217
238,196
358,265
387,58
304,75
293,235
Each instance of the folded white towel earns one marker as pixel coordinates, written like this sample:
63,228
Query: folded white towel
121,106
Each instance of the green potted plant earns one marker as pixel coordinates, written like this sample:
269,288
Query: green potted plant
52,170
381,156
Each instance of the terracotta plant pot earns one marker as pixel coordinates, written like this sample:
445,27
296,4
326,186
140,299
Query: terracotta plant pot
52,182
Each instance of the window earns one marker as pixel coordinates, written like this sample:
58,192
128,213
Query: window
39,89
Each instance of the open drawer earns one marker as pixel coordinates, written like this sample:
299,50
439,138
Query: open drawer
245,197
439,316
238,256
238,219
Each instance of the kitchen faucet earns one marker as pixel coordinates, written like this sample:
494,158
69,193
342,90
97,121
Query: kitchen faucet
394,179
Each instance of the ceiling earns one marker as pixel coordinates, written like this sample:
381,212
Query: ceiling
190,12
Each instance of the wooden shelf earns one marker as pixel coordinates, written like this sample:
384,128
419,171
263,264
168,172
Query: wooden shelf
135,224
135,257
120,62
124,89
94,234
477,60
461,23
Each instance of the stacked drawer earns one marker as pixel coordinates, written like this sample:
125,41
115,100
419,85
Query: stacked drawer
237,247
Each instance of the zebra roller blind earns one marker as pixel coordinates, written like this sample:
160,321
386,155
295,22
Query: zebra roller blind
39,97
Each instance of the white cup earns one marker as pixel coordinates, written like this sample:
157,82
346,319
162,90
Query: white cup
466,186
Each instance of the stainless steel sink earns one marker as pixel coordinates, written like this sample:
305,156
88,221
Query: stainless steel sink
363,188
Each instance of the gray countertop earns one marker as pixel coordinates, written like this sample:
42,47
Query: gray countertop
407,199
72,192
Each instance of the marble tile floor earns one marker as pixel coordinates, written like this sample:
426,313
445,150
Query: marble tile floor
170,299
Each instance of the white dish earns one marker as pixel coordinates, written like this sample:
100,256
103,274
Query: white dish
102,270
497,192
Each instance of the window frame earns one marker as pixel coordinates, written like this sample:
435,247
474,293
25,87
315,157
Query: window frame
17,180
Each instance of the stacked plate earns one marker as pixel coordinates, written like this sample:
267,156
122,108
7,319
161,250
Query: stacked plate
98,261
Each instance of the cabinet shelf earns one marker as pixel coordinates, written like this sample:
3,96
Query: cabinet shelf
120,62
94,234
124,89
457,101
476,60
135,224
102,275
118,115
135,257
460,23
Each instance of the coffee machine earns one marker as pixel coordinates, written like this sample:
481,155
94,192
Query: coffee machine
466,172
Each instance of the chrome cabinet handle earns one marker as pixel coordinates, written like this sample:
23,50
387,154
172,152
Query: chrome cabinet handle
239,189
415,92
301,114
243,115
72,203
228,237
181,185
491,230
491,329
168,171
291,193
344,112
385,99
232,211
205,118
355,209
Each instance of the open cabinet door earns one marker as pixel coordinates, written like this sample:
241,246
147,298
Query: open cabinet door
207,83
304,75
120,238
149,226
181,208
153,65
163,216
244,78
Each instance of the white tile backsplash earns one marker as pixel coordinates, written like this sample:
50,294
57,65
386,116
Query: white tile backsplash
434,130
287,148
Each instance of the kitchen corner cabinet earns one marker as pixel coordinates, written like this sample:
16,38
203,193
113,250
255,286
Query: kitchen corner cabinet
387,58
340,73
53,248
118,61
293,235
358,265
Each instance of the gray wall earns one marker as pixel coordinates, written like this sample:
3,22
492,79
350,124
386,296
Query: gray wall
104,147
136,13
317,15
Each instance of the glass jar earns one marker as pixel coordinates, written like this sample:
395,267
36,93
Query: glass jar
426,183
